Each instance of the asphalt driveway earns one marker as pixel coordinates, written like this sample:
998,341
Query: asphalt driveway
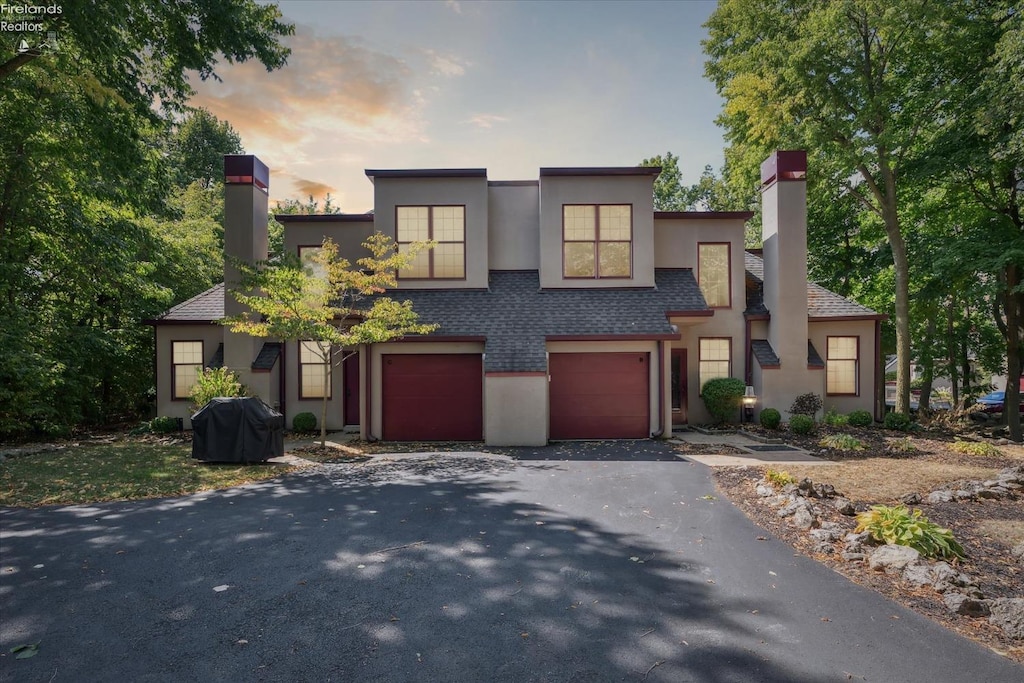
618,564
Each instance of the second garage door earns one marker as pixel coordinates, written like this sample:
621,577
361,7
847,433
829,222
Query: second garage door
432,397
599,395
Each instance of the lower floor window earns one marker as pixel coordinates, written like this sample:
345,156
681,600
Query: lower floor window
715,354
841,366
186,364
313,369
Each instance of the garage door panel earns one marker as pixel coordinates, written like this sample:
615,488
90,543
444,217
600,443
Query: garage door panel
599,395
432,397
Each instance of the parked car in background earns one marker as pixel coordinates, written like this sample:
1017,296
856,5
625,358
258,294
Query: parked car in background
994,403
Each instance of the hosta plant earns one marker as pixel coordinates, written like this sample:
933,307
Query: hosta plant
842,442
979,448
899,526
779,478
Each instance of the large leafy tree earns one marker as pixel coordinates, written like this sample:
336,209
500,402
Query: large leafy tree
197,147
861,82
333,302
81,166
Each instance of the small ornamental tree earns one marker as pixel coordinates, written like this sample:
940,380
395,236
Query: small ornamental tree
333,302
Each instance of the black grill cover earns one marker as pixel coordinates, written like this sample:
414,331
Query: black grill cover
237,430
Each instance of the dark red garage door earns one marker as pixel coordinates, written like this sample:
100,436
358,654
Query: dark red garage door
599,395
433,397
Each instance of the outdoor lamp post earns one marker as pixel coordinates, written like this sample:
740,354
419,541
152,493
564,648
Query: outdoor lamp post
749,399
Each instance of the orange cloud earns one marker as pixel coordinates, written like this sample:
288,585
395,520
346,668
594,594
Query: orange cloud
311,187
330,86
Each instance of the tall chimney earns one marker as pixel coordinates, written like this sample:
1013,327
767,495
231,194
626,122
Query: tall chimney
246,184
784,233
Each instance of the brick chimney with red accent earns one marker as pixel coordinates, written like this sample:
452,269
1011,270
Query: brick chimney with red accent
246,187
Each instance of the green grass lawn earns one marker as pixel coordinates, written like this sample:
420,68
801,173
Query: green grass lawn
118,471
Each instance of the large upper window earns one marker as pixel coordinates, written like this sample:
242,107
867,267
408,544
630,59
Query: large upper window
307,255
446,225
597,240
186,364
313,358
715,359
713,273
841,363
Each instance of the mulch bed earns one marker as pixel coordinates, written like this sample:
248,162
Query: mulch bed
989,561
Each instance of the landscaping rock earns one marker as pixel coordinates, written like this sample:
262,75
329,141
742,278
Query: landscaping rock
1008,614
1018,551
764,490
911,499
1013,475
824,549
804,518
825,535
940,496
945,578
844,506
959,603
961,494
824,491
853,557
893,557
855,542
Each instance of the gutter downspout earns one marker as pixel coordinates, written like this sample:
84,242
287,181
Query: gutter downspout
748,370
367,394
661,390
282,382
879,384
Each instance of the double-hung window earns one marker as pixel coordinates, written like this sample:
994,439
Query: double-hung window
186,364
842,359
715,359
713,273
597,240
446,225
313,359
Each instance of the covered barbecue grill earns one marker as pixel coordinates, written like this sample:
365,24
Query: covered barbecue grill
237,430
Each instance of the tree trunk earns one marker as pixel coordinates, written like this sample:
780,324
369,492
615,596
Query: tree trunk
326,393
954,378
928,364
1014,307
902,271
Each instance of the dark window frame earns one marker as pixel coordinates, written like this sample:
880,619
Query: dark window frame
430,235
597,241
174,374
701,360
299,364
855,360
728,269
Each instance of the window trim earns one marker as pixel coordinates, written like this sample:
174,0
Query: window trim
174,375
855,361
300,247
430,235
701,361
597,241
728,267
299,364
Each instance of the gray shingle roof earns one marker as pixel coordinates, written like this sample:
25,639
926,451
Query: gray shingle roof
267,356
516,316
218,357
207,307
821,303
813,357
764,353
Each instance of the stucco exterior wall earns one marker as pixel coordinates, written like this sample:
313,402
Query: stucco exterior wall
722,324
472,193
864,330
294,405
784,228
514,225
375,372
516,409
556,191
675,246
349,236
656,406
210,334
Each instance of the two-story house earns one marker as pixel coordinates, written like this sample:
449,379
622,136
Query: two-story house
567,309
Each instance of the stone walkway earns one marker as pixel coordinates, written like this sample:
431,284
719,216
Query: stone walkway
755,452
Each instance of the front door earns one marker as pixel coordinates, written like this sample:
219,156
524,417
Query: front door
350,370
678,386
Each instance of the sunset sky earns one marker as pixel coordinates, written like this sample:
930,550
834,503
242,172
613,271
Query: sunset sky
507,86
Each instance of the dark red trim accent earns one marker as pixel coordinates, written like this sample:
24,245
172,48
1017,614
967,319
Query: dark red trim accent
856,367
784,165
703,313
661,387
748,355
513,183
684,385
770,367
515,374
323,217
703,215
818,367
367,429
440,338
246,169
728,265
158,322
600,171
846,318
427,173
878,376
611,337
757,316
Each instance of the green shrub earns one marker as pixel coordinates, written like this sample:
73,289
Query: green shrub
899,422
214,382
979,448
806,404
842,442
164,425
778,478
835,419
801,424
770,418
899,526
904,445
304,422
722,397
860,418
